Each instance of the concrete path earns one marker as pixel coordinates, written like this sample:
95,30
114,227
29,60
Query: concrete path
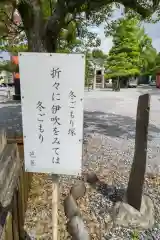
113,116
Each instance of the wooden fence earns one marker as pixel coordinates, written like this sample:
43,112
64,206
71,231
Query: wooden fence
14,188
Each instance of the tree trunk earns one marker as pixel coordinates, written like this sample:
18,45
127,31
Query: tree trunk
35,42
32,18
127,83
113,84
116,85
42,36
54,25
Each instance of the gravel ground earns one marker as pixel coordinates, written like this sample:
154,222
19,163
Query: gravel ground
112,167
109,130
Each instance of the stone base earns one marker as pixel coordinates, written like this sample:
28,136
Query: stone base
126,216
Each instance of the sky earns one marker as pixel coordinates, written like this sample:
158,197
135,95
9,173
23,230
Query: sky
4,55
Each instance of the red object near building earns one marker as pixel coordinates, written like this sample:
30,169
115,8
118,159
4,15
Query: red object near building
14,59
16,79
158,80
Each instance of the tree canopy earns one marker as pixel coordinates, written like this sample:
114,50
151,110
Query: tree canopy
45,23
58,25
147,52
132,52
154,67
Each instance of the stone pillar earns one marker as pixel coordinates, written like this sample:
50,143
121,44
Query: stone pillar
137,174
103,82
94,79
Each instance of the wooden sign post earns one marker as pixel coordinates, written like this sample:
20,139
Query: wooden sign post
52,89
55,200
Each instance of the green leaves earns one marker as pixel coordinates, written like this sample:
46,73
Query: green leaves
147,52
58,23
97,53
132,52
14,48
8,66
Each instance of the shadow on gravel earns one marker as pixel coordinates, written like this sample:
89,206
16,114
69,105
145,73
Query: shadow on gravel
108,191
94,122
113,125
11,118
111,192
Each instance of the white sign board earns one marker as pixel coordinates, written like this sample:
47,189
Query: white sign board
52,88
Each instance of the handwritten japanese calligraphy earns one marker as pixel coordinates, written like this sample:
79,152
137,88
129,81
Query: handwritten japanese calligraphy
55,119
56,85
56,140
55,108
55,131
72,102
72,96
55,72
40,107
55,96
55,160
32,158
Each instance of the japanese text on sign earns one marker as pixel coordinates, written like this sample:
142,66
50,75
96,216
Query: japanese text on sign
55,74
40,120
72,104
52,114
32,158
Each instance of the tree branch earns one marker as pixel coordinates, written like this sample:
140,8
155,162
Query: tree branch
11,20
136,6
